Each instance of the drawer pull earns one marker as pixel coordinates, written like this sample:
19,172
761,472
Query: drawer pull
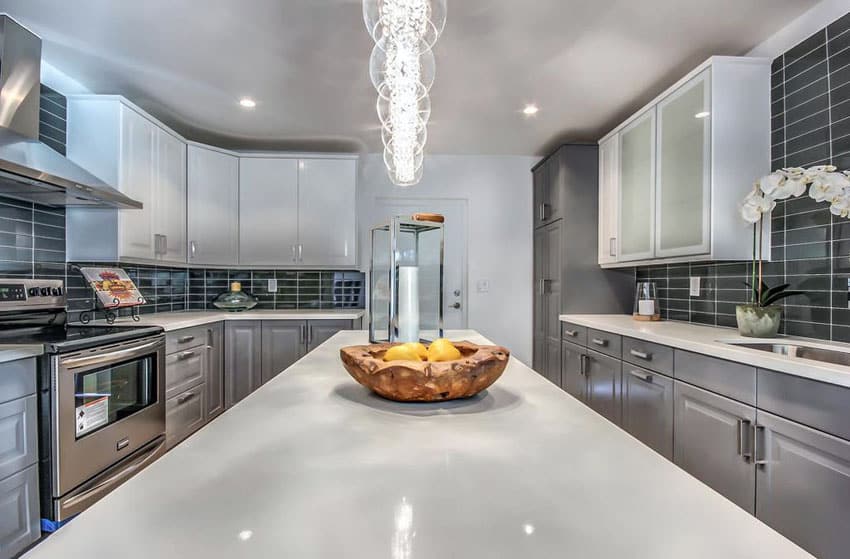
744,441
571,333
646,377
601,343
641,354
185,397
759,443
185,355
185,339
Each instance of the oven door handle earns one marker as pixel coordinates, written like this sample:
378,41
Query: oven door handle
91,492
111,357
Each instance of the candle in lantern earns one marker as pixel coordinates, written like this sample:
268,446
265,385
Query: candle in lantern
408,304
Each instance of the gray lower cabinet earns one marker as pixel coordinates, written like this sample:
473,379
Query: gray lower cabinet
803,485
242,359
185,414
215,370
603,384
284,343
712,441
19,512
320,331
573,380
648,408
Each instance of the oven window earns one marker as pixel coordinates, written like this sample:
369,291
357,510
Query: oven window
109,394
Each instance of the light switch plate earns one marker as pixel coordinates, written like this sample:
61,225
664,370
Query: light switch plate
482,286
694,286
272,285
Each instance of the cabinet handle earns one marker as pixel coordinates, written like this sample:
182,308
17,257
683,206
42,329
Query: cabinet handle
185,339
601,343
294,255
612,246
571,333
745,449
185,355
303,336
540,213
758,443
164,250
191,249
582,367
185,397
641,354
301,253
310,334
646,377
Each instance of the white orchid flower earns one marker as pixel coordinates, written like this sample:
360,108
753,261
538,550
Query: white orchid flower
793,172
828,186
769,184
755,205
779,186
841,206
813,172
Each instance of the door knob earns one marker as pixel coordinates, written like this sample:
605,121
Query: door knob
456,306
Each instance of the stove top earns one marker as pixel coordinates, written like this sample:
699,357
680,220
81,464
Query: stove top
33,312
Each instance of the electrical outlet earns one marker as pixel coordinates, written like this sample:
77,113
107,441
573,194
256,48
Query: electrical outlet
482,286
272,285
694,286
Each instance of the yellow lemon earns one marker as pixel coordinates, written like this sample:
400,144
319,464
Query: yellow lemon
442,350
420,349
401,353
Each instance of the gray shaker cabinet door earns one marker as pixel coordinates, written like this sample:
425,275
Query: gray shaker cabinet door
540,267
243,358
712,440
803,485
19,512
320,331
603,385
215,369
283,345
18,435
551,290
573,380
648,408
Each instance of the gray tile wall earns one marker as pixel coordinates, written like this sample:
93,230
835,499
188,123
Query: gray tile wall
810,125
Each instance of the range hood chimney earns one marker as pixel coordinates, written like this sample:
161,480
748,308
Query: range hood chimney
30,170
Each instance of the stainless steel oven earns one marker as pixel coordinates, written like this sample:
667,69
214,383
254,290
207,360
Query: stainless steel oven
108,419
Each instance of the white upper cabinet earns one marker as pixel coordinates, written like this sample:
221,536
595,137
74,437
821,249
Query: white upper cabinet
268,210
213,206
684,163
131,152
609,200
637,188
326,217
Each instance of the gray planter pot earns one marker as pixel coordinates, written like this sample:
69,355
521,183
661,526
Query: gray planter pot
758,322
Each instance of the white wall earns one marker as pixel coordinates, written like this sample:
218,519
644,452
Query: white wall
816,18
498,192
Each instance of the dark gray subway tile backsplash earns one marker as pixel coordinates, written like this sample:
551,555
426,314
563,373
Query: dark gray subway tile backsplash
810,125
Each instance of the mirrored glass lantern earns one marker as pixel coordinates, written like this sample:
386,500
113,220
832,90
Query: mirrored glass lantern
406,281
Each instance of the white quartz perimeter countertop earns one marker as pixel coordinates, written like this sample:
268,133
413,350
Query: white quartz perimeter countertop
312,465
186,319
709,340
13,352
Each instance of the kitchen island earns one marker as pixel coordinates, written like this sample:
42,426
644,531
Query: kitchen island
313,465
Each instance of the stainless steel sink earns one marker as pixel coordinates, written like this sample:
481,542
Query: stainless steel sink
800,351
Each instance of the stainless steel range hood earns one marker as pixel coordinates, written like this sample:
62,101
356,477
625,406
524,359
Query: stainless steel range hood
30,170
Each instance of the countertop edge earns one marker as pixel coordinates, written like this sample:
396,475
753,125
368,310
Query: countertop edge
16,352
624,325
171,321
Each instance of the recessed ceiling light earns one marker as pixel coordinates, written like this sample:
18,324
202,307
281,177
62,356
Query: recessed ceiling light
247,102
530,110
703,114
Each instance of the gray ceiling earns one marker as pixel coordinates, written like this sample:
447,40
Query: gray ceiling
586,63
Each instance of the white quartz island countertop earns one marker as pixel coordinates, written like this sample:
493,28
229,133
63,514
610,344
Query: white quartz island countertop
186,319
713,341
312,465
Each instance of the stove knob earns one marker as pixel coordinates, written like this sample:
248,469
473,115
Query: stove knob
56,291
33,292
45,291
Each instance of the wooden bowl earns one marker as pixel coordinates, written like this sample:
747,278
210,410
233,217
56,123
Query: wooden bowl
423,381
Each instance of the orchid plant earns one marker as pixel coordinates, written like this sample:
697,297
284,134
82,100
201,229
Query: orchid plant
825,184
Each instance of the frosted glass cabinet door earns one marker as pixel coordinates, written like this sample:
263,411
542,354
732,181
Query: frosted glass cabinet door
684,170
637,188
608,199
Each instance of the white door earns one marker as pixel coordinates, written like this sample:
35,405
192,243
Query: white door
268,211
609,199
326,212
213,206
455,244
137,181
170,202
684,170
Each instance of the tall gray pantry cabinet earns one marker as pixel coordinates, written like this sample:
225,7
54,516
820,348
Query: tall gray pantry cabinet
567,277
